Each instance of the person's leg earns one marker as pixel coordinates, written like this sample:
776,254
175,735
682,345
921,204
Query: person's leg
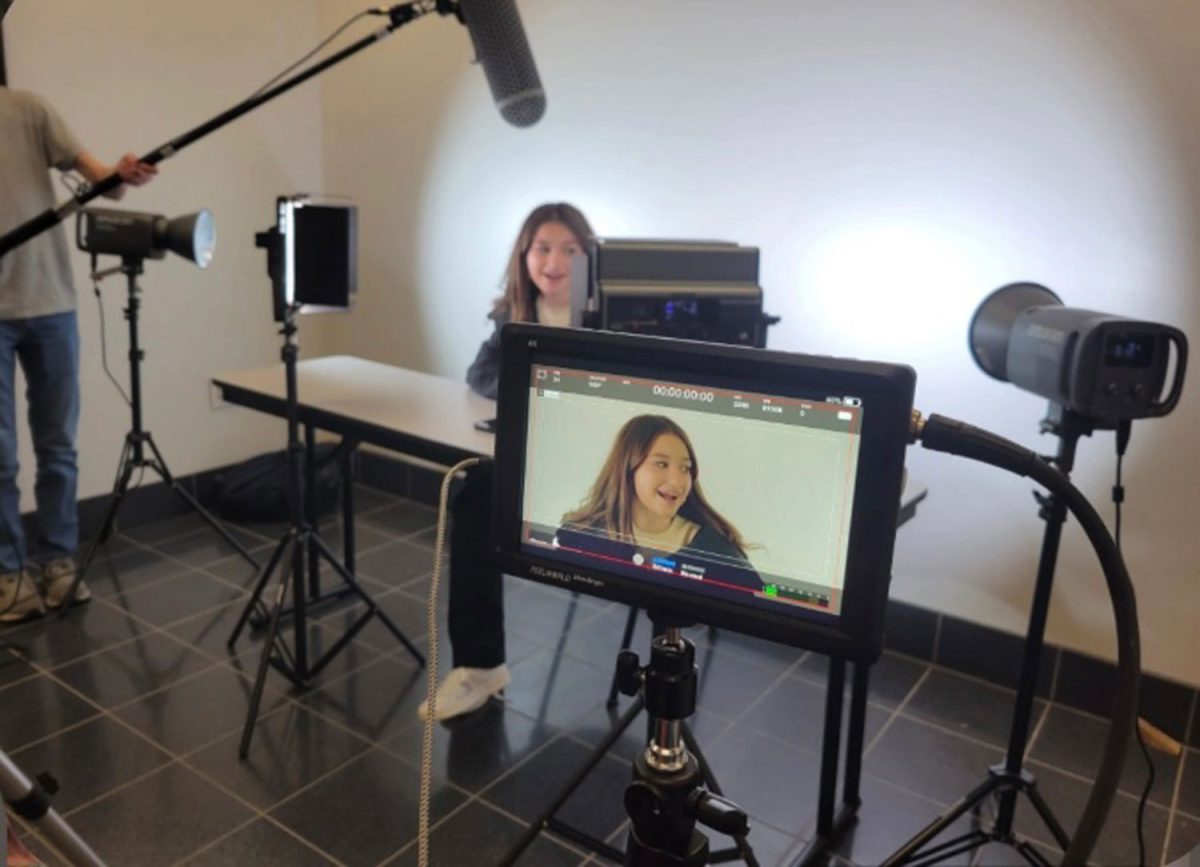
19,599
476,591
49,356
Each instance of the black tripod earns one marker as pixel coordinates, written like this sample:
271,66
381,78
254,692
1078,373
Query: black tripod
299,543
667,796
1008,780
133,453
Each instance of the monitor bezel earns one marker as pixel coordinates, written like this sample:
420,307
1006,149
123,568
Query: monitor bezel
887,394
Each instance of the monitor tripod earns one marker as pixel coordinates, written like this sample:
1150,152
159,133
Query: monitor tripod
1010,779
298,543
138,440
667,796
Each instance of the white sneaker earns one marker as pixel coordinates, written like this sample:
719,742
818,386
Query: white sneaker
465,690
57,577
19,599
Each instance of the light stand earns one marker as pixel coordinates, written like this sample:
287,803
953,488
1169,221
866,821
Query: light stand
667,797
137,440
30,801
298,543
1009,779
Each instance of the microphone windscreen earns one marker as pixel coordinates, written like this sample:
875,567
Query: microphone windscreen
503,51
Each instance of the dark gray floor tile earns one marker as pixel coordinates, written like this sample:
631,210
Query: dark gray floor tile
772,781
205,545
554,689
967,706
36,708
261,843
128,671
407,613
376,701
1067,796
235,570
13,667
1074,741
169,528
395,563
1189,783
478,834
749,648
109,575
402,518
889,681
190,713
887,819
544,614
794,711
728,684
210,631
1185,839
160,819
473,750
596,807
596,638
290,748
368,499
174,599
366,811
929,761
90,759
84,630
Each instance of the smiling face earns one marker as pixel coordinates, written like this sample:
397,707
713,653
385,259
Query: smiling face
662,483
548,262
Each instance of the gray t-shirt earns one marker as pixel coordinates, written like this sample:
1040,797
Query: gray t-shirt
35,278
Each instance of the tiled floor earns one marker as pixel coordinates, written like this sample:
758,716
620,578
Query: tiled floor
135,705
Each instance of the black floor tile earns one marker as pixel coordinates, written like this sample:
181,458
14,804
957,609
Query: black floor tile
889,681
376,701
754,650
128,671
205,545
554,689
37,708
929,761
406,612
1185,838
261,843
192,712
13,667
728,684
368,499
159,819
772,781
396,563
887,819
174,599
1067,796
167,529
544,614
209,632
84,630
969,707
402,518
90,760
473,750
110,574
1189,783
367,810
1074,741
290,749
596,807
794,711
478,834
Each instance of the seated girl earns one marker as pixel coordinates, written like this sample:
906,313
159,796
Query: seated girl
647,501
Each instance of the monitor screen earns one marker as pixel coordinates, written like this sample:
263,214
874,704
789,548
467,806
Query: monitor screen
734,486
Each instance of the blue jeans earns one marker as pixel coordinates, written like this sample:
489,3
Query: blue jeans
48,349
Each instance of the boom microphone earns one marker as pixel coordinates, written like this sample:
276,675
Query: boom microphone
503,51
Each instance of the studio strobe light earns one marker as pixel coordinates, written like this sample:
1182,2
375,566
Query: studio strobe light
133,235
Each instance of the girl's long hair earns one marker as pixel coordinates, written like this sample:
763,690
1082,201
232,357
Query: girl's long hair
519,300
609,503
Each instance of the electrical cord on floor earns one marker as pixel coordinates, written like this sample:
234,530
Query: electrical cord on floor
1118,497
431,664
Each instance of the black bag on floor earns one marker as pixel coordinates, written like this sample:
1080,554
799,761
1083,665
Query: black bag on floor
256,489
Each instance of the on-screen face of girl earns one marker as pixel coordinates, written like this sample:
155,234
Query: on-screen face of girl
549,261
662,482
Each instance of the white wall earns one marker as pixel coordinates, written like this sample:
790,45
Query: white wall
894,161
132,75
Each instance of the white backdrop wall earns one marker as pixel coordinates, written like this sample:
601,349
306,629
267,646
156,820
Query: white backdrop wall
130,75
894,162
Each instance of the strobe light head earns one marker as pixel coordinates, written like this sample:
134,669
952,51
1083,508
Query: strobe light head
1103,367
134,235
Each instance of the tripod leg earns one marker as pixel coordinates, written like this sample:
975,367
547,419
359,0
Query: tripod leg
626,640
374,609
1039,804
265,660
160,467
907,852
256,596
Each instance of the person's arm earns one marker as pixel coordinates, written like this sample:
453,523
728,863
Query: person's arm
484,373
133,171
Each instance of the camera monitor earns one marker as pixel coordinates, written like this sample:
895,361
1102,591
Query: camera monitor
312,254
748,489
